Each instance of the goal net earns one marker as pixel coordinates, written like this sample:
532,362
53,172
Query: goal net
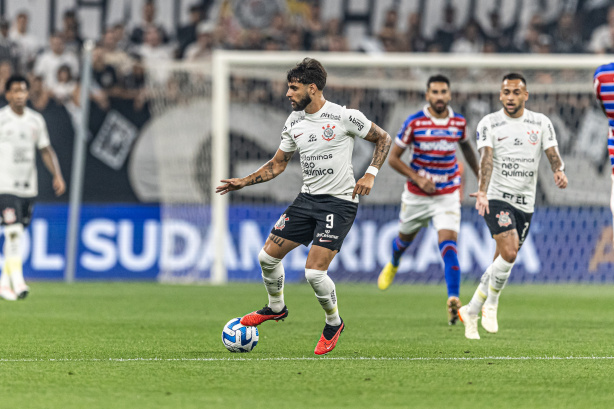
224,119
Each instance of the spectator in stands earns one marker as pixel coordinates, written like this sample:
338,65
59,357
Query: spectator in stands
187,34
122,40
9,50
567,37
447,31
27,43
114,55
252,40
133,84
139,32
152,48
601,40
470,42
39,94
313,28
63,88
502,38
294,41
203,47
414,41
70,32
6,70
278,29
104,74
48,63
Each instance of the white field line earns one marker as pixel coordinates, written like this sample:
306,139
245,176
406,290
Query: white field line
362,358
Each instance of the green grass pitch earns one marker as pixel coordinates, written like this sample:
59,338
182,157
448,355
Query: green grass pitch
145,345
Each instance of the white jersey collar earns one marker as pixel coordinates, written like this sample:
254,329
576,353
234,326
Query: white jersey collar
438,121
509,118
316,114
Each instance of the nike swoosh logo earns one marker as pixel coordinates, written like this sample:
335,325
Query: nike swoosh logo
325,241
498,139
296,136
328,347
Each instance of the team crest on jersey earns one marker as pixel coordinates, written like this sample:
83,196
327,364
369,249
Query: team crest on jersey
8,215
504,219
329,134
281,223
533,137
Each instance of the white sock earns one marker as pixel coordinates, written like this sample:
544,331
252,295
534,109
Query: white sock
12,255
273,277
501,271
475,305
325,292
5,279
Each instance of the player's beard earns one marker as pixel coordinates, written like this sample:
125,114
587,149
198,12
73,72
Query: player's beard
302,103
513,111
439,108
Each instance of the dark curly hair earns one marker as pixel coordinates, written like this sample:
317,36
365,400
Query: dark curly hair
308,71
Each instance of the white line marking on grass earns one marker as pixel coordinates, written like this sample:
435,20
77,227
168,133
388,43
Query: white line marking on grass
361,358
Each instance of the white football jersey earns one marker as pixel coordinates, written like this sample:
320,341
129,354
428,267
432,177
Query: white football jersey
517,148
20,137
325,141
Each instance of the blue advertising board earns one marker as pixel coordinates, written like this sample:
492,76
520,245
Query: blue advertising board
174,244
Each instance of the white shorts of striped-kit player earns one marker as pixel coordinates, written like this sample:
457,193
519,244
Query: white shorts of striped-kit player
417,211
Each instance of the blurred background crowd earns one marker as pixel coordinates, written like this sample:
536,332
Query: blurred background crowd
124,47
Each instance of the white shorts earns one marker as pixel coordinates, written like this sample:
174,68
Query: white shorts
417,211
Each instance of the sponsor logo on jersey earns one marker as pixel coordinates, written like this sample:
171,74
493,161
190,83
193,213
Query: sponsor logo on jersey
281,223
305,158
8,215
329,134
331,116
296,136
500,139
312,138
504,219
326,236
529,121
533,137
498,124
318,171
357,122
296,121
437,146
432,177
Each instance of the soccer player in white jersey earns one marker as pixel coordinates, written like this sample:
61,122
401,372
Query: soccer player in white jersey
510,142
22,132
323,133
433,179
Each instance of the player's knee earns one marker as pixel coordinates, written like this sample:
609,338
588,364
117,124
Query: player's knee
509,254
314,276
267,262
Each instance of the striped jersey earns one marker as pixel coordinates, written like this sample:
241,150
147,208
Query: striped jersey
433,142
604,90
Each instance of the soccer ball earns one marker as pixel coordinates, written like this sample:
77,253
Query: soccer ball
239,338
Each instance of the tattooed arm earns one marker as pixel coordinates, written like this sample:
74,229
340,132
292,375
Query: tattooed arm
484,176
382,142
557,166
268,171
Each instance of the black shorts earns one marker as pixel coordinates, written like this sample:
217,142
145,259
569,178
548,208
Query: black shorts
323,219
504,217
15,209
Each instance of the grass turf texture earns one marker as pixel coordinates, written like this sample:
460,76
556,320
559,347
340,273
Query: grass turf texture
55,349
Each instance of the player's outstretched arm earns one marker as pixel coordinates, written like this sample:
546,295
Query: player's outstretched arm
557,166
50,160
382,142
268,171
470,157
486,166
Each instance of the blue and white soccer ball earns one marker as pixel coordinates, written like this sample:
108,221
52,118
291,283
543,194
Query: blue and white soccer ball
239,338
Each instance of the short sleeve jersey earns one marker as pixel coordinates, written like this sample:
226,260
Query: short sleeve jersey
517,148
325,141
20,137
604,91
433,143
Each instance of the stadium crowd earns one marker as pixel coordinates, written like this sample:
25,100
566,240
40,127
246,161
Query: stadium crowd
122,52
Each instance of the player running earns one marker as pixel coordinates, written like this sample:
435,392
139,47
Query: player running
510,142
604,91
324,211
431,191
22,131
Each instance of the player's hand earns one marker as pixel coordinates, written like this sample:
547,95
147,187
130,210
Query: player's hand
364,185
229,185
560,179
59,186
481,202
426,185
